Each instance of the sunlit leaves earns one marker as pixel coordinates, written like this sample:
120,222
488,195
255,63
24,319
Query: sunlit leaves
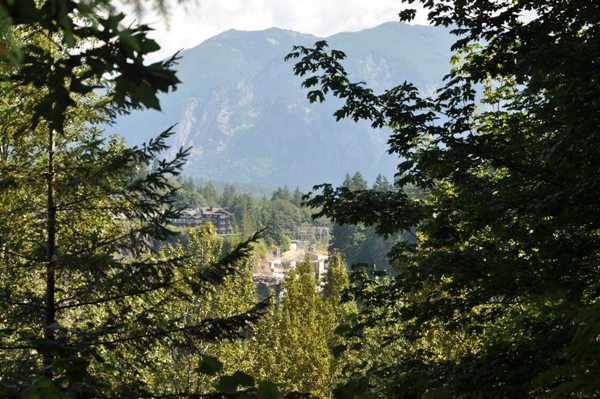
507,155
88,306
112,57
292,345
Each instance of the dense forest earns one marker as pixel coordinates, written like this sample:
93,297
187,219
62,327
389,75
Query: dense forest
282,213
489,225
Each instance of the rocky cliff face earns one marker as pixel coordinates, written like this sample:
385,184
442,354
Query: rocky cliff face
245,115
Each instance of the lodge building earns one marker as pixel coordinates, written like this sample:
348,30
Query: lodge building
219,217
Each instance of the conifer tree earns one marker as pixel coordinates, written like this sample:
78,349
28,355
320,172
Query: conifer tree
210,194
85,301
382,184
297,197
228,195
171,368
349,239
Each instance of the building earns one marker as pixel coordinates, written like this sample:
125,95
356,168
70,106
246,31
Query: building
219,217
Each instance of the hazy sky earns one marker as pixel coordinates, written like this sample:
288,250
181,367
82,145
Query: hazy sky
195,21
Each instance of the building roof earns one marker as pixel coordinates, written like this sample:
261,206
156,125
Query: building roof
198,213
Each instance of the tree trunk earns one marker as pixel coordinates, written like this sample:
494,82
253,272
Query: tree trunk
50,306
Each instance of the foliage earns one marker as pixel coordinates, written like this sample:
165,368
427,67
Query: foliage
292,346
359,243
171,367
87,304
507,233
281,216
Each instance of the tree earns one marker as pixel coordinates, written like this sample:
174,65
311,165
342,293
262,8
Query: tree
245,212
292,346
84,296
170,367
281,218
228,195
210,194
282,193
186,195
507,234
347,238
382,184
296,199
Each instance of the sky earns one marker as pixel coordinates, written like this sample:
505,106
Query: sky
194,21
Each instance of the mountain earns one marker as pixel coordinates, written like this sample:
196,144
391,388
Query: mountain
247,117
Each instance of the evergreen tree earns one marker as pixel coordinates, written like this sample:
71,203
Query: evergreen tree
281,218
210,194
382,184
286,194
349,239
358,183
85,300
348,182
282,193
297,197
228,195
186,195
245,211
187,183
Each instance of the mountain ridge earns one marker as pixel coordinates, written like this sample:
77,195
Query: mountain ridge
247,117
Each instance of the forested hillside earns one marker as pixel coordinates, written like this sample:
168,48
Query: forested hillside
279,216
282,214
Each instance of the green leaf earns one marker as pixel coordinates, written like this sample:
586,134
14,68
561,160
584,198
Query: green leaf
338,350
243,379
342,329
267,390
352,317
226,384
209,365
